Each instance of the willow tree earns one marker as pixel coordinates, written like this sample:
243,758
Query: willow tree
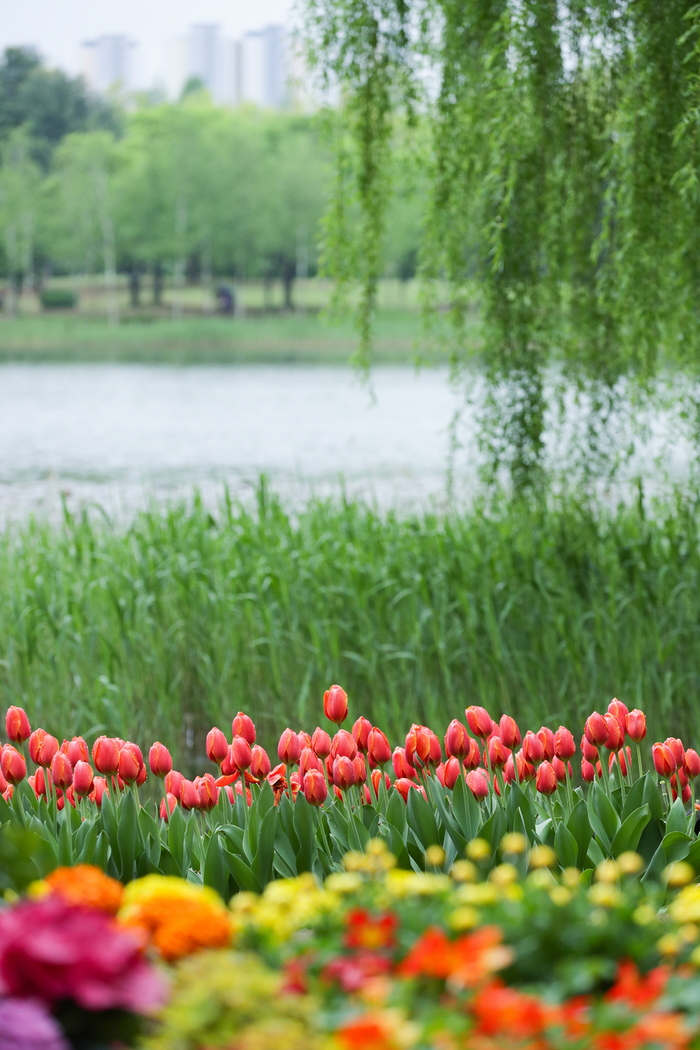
563,174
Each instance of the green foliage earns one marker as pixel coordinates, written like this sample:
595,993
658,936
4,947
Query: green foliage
563,173
58,298
183,616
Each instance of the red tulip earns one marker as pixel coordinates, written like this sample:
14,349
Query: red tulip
472,759
38,782
240,754
207,790
244,726
309,760
422,747
360,768
321,742
260,762
479,721
335,704
129,767
83,778
403,785
105,755
546,738
587,771
376,778
457,740
17,725
616,735
343,743
402,769
344,772
160,760
76,750
564,744
620,712
664,760
691,764
526,770
42,747
509,732
378,748
167,805
360,731
636,724
289,748
676,746
314,787
478,784
509,769
189,796
3,783
172,782
596,730
216,746
99,790
61,770
546,779
560,769
588,750
452,772
625,760
14,768
498,752
532,750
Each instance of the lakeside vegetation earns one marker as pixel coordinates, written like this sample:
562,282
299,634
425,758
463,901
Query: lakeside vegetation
180,617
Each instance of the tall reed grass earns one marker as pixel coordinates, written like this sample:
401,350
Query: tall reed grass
178,620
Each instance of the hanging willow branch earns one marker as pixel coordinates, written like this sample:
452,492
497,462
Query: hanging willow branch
563,181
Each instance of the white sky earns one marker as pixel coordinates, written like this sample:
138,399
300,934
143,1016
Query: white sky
57,27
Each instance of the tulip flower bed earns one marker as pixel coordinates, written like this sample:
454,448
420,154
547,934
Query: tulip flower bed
514,955
247,822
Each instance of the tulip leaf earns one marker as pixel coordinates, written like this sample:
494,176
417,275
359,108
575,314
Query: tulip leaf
627,838
466,810
655,866
595,853
215,870
24,857
421,820
494,828
635,798
243,874
167,864
305,827
285,861
128,836
694,855
262,863
602,816
85,850
396,811
652,797
176,840
677,819
565,847
676,846
579,826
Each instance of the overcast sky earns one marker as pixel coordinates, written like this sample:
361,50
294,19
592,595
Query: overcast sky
56,27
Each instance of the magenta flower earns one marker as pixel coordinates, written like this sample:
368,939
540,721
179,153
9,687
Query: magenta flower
25,1025
53,951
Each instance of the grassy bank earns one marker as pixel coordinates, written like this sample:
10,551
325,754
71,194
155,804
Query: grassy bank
183,618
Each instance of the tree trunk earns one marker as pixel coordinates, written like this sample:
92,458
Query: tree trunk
157,283
181,263
108,249
135,286
288,274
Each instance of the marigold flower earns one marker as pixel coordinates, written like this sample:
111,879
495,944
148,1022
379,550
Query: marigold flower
88,886
364,930
17,725
465,961
179,916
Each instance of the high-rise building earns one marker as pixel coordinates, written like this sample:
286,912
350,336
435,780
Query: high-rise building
108,62
264,73
206,58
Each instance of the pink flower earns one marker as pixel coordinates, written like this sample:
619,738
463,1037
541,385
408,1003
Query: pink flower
51,950
25,1025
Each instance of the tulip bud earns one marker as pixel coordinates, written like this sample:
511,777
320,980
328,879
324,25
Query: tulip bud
509,769
208,791
309,760
378,748
321,742
38,782
167,805
589,752
546,779
636,724
240,754
344,772
105,755
587,771
564,744
343,743
546,738
509,732
83,778
498,752
61,770
216,746
402,769
172,782
457,740
289,748
376,778
13,766
189,796
160,760
3,783
526,770
616,736
335,704
452,772
619,711
244,726
664,760
360,731
596,730
99,790
403,785
422,747
532,750
623,758
17,725
691,764
472,759
314,787
128,764
478,784
42,747
479,721
260,762
677,748
561,769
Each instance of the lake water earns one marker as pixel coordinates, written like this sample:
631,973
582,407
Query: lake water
121,435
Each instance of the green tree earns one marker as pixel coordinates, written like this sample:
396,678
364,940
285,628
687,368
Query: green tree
20,208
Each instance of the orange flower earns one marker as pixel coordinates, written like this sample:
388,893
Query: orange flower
466,961
369,931
87,885
368,1032
507,1011
635,989
178,917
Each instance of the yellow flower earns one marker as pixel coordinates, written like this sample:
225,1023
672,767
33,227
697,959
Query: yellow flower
513,842
607,872
686,906
343,882
560,896
570,877
630,863
503,875
669,944
464,871
464,918
542,857
605,895
478,849
435,856
679,874
180,917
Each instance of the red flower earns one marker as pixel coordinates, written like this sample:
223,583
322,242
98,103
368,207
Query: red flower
465,961
17,725
479,721
378,748
564,744
352,972
636,724
244,726
160,760
361,730
457,740
636,989
506,1011
532,750
335,704
51,951
509,732
546,738
364,930
321,742
216,745
314,787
